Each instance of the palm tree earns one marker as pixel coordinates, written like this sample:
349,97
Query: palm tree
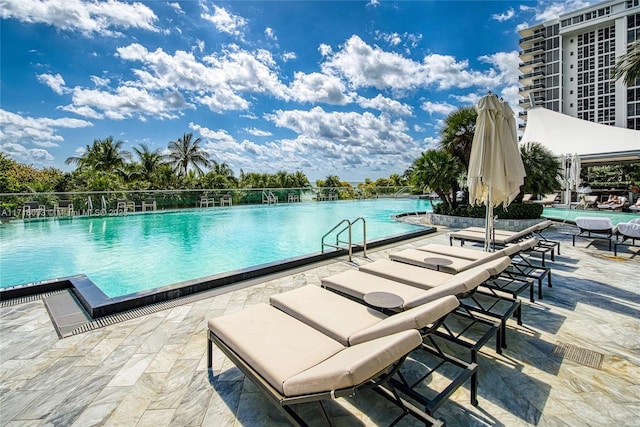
457,134
150,161
435,170
542,167
186,153
628,65
105,155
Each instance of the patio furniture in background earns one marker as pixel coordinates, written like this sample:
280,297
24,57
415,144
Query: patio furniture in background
527,198
150,204
33,209
628,231
547,199
226,200
595,228
64,207
614,206
206,202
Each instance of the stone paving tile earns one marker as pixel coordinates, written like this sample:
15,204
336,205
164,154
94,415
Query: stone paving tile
151,370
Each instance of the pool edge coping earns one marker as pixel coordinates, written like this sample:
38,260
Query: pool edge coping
97,304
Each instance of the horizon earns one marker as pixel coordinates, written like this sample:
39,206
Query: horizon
357,89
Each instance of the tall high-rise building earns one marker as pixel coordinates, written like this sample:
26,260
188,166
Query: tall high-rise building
567,64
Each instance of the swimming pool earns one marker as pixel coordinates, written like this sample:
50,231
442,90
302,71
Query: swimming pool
128,254
561,214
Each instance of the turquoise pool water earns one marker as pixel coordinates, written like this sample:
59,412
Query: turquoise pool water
126,254
571,214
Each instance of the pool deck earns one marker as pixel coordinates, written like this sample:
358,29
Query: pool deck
150,370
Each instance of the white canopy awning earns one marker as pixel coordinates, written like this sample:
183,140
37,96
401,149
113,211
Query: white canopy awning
593,142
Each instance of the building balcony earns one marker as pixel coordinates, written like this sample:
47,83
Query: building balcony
534,38
524,91
529,66
527,79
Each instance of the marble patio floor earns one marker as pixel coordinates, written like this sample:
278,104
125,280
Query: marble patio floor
151,370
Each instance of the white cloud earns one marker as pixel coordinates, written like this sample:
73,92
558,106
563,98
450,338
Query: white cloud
100,81
365,66
270,33
288,56
438,107
257,132
395,39
86,17
325,49
548,10
501,17
226,22
55,82
386,105
219,81
316,87
126,102
18,132
177,8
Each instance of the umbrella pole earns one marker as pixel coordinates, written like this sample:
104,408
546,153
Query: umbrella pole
488,229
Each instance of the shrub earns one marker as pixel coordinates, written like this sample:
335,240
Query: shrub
513,211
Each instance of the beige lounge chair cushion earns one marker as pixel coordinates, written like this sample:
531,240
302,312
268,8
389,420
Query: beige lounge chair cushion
415,276
353,365
351,323
357,284
273,343
297,359
458,265
325,311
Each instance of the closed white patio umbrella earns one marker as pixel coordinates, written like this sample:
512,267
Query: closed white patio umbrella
496,171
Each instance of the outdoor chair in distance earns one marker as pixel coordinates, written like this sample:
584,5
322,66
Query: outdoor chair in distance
547,199
149,204
293,363
594,228
629,231
123,206
33,209
225,200
206,202
64,208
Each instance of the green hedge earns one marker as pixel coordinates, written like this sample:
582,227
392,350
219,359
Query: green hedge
513,211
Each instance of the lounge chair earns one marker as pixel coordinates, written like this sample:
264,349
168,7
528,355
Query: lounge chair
149,204
588,202
504,237
595,228
527,198
33,209
352,323
512,279
547,199
622,201
417,286
292,363
628,231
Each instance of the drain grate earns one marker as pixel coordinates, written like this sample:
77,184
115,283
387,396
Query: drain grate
580,355
137,312
28,298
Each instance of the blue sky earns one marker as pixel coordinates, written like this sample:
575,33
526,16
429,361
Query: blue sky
350,88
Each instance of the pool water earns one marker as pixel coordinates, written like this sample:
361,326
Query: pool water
127,254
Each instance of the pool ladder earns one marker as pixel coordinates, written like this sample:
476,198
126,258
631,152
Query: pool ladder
348,226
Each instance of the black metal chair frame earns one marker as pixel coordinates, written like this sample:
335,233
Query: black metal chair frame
608,234
622,243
